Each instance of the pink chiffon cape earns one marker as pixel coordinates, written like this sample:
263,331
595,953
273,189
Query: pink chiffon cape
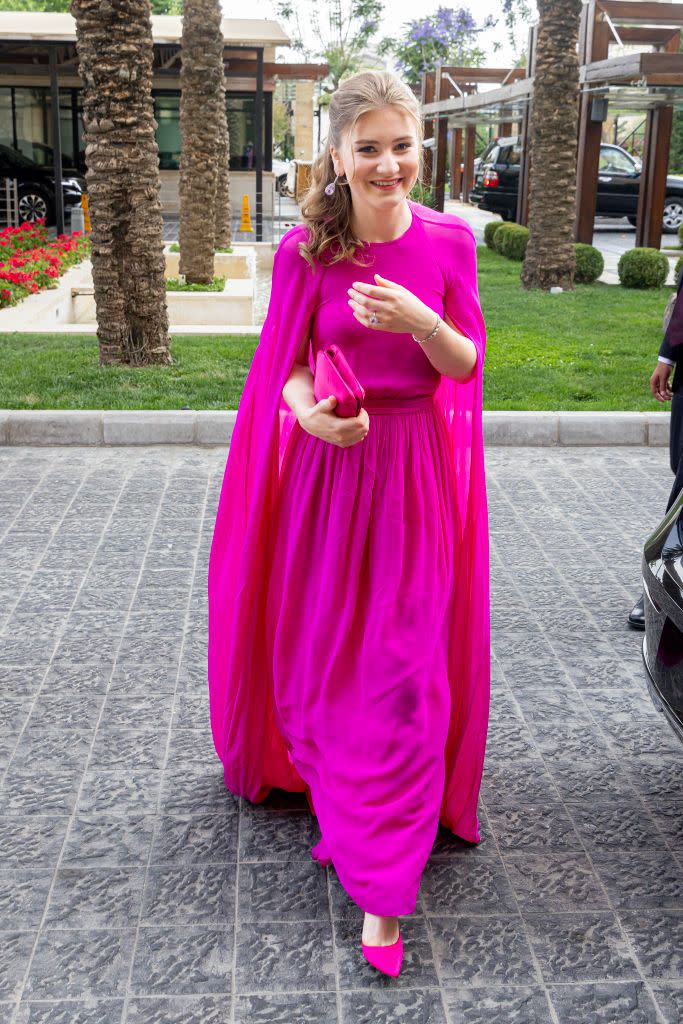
252,751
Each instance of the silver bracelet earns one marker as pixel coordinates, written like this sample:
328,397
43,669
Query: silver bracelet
421,341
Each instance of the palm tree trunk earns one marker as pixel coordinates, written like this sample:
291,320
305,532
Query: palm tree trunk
202,83
223,225
115,51
550,256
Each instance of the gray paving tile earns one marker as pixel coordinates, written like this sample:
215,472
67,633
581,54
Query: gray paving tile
606,1002
277,956
657,938
481,950
189,895
179,1010
95,898
80,962
514,1004
554,881
581,947
420,1006
183,960
70,1011
669,998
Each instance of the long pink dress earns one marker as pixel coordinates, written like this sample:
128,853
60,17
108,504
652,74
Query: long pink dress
364,675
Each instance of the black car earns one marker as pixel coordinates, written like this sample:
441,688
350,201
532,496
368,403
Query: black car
36,186
663,600
496,183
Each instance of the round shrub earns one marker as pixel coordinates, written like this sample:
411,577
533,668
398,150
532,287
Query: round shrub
500,236
589,263
490,230
679,264
515,242
680,234
643,268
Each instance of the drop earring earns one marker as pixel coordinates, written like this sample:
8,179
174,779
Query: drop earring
329,189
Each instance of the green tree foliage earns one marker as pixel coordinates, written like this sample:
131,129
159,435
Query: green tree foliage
344,42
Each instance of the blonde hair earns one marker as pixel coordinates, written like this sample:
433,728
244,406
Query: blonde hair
328,217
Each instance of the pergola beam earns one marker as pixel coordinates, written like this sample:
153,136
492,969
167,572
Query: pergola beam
651,12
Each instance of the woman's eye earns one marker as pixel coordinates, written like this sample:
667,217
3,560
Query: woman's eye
366,148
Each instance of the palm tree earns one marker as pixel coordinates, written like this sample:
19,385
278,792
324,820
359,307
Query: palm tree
223,226
550,256
115,51
202,103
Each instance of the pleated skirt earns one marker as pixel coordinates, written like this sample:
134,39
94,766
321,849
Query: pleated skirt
358,625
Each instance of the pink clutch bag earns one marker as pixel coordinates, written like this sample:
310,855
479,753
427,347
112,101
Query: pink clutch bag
334,376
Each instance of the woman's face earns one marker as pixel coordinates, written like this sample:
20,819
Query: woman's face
382,147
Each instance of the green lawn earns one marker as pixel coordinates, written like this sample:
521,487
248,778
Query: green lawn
593,348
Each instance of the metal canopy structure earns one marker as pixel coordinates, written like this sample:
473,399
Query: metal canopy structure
647,81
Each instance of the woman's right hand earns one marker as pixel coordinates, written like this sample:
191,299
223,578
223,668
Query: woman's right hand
322,421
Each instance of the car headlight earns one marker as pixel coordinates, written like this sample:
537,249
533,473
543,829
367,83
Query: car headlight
73,183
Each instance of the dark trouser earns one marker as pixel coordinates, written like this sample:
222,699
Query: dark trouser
676,446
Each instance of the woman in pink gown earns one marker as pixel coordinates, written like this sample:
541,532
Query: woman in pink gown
348,581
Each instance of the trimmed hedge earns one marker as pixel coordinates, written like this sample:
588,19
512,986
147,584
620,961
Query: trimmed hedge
643,268
515,242
679,264
500,236
589,263
510,240
490,230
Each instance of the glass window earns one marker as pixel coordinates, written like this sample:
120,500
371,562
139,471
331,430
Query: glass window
240,114
32,122
167,116
6,126
34,135
614,161
240,110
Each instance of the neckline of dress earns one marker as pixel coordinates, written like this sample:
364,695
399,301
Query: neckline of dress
392,241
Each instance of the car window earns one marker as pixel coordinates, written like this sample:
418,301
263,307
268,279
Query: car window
614,161
511,155
492,157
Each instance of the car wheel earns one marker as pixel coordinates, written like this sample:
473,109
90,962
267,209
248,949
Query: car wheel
506,214
673,215
33,205
633,221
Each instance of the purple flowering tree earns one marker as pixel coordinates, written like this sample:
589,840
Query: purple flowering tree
449,36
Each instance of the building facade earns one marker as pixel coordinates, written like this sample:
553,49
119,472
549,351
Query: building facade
27,125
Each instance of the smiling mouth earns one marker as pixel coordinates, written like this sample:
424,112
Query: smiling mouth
387,184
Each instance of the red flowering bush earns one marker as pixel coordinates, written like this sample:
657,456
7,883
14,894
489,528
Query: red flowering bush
29,262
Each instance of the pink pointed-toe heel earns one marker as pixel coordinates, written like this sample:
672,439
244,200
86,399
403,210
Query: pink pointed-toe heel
320,854
387,959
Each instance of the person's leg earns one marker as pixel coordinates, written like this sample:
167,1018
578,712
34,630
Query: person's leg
636,616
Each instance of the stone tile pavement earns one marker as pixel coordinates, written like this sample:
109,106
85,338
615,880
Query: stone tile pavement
135,888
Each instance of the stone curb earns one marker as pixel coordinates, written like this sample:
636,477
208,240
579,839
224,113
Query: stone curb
189,427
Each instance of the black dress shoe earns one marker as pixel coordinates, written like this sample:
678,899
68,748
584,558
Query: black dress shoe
637,617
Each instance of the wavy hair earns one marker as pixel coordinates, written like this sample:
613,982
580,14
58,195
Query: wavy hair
328,217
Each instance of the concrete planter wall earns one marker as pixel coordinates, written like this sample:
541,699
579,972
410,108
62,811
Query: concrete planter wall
231,265
72,303
234,305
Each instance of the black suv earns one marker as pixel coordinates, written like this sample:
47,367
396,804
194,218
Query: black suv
36,186
663,595
496,182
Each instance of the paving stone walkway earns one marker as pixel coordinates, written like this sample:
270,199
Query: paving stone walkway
135,888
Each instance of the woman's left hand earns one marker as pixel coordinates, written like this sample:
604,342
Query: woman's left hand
396,308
